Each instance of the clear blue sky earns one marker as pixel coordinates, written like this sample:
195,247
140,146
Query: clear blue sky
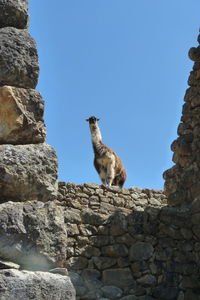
124,61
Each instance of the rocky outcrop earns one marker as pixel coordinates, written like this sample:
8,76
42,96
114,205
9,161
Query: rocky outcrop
28,172
182,180
18,58
33,235
14,13
21,116
15,284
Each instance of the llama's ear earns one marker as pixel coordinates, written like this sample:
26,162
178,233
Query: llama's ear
87,120
98,119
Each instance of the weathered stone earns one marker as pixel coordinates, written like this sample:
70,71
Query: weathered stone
100,240
89,217
118,224
104,262
118,277
18,58
8,265
141,251
14,13
147,280
17,285
190,295
77,263
90,274
93,295
91,251
28,172
194,54
130,297
189,282
76,279
196,231
33,235
72,229
72,215
111,292
93,284
196,219
195,206
165,293
116,250
21,116
186,233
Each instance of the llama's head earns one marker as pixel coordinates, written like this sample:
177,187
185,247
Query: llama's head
92,120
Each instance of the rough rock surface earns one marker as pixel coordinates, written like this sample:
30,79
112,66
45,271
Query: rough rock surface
18,58
21,116
14,13
28,172
17,285
182,180
33,235
127,244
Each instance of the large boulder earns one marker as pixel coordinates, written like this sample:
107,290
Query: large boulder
21,116
28,172
17,285
18,58
33,235
14,13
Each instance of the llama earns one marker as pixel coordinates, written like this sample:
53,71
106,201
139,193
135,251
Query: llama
108,165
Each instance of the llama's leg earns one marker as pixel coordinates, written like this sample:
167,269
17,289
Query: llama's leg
110,174
102,175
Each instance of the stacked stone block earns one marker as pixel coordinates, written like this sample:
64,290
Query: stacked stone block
28,166
128,244
182,181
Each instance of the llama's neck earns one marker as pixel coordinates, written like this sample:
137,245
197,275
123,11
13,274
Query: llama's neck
98,146
95,134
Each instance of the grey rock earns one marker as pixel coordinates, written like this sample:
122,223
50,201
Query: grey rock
121,278
166,293
14,13
8,265
111,292
141,251
28,172
147,280
115,250
76,278
91,274
104,262
33,235
21,116
93,295
130,297
17,285
18,58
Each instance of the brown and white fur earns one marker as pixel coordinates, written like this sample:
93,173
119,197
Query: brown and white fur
108,165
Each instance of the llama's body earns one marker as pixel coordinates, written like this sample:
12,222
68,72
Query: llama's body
108,165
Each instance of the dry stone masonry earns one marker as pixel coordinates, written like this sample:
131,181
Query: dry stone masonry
30,232
111,243
128,244
182,180
28,166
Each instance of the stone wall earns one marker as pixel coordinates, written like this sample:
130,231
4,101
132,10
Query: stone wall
128,244
182,180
